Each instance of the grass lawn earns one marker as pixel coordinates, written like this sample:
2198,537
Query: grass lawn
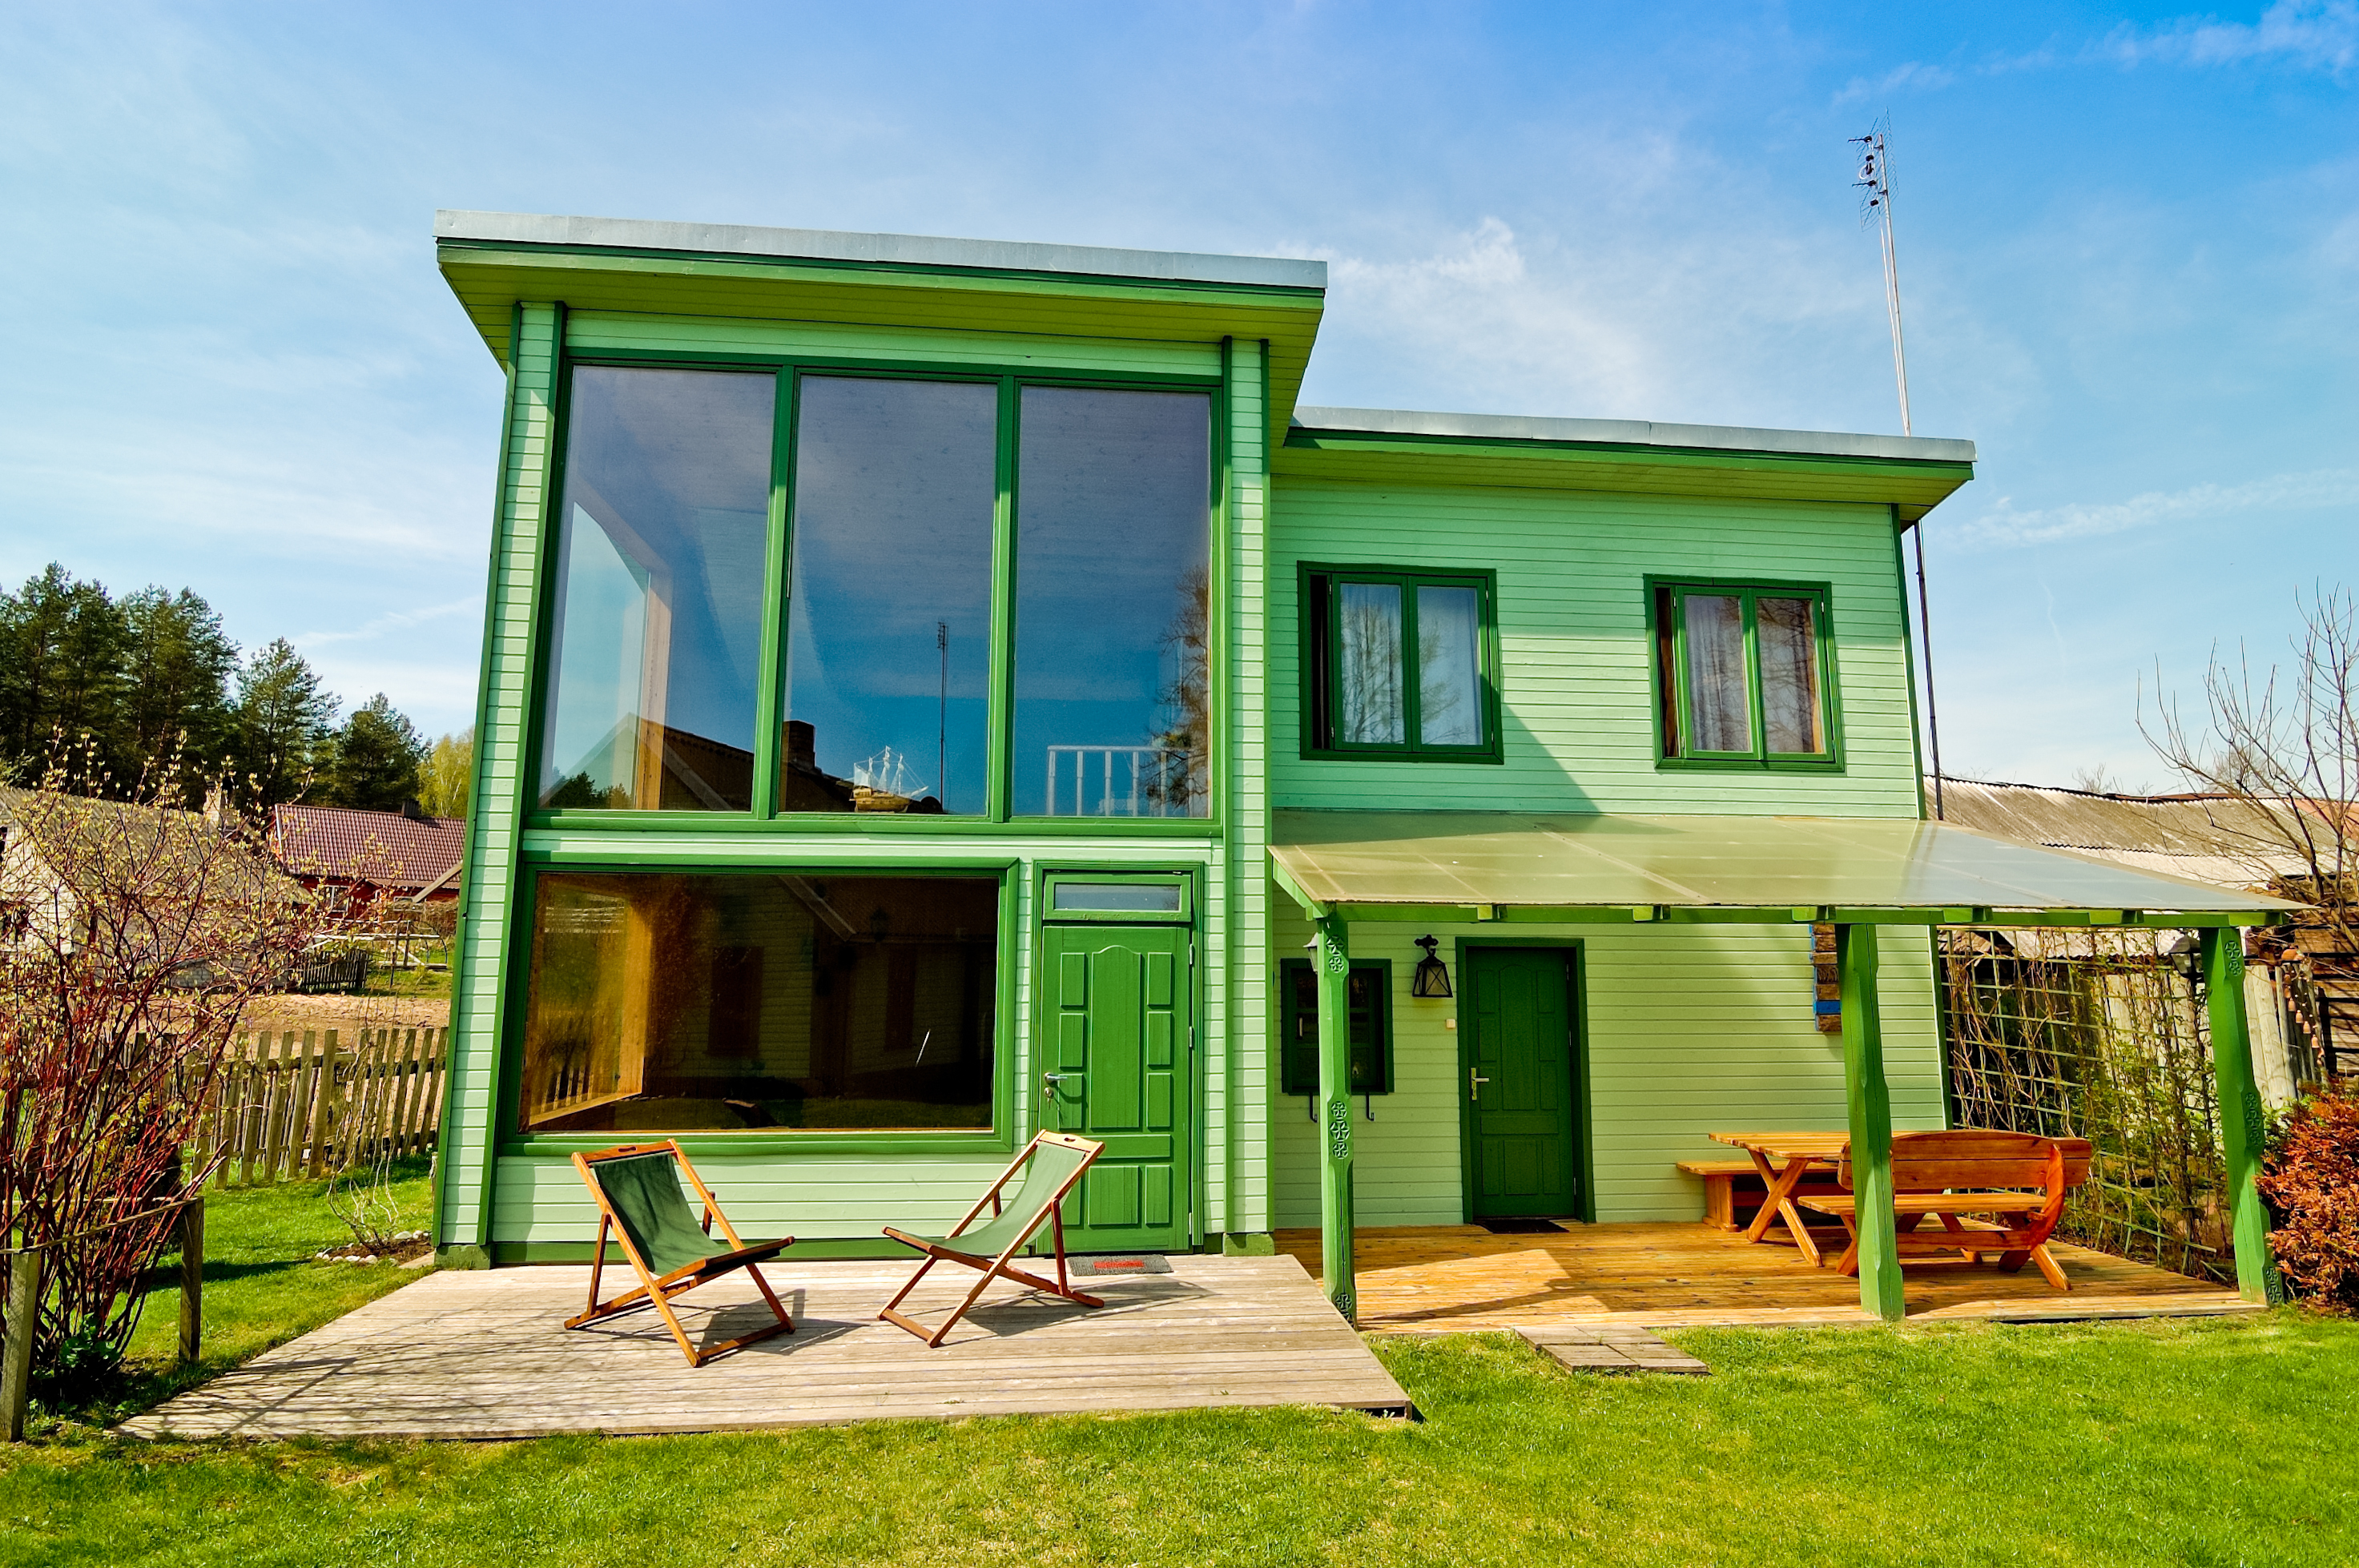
2190,1441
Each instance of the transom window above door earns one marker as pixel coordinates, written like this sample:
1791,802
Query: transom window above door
1743,673
799,590
1400,665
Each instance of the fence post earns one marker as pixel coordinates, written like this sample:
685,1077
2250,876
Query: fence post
16,1349
192,1278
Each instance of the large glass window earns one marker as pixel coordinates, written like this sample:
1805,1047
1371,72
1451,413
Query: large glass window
1398,665
1743,673
889,647
1111,604
662,552
665,1003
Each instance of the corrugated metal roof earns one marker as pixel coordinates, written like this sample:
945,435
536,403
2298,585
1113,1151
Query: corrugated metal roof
1735,862
2199,838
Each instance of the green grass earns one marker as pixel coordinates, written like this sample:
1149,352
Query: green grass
262,1288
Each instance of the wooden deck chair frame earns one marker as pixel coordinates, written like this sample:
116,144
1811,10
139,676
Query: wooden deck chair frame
662,1290
1002,1266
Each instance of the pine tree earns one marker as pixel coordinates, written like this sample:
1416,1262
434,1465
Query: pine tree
376,757
60,660
178,665
285,734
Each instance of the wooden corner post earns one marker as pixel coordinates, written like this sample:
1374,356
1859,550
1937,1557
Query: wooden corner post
2241,1137
1870,1103
1335,1118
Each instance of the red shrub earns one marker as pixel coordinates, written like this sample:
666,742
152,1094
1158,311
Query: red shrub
2313,1181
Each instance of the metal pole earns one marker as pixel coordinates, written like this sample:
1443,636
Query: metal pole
1925,641
942,719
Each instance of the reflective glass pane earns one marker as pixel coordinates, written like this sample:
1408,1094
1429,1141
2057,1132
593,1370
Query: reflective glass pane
1114,523
661,557
1141,898
1450,667
888,645
1368,707
671,1003
1788,631
1720,713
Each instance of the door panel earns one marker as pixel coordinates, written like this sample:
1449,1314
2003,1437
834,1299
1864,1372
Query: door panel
1519,1051
1120,1010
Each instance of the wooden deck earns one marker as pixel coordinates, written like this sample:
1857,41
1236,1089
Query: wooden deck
480,1354
1462,1279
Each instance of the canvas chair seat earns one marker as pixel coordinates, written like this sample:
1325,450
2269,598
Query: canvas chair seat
1052,1165
636,1186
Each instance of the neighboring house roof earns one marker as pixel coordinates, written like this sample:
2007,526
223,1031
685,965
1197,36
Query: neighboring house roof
113,827
2201,838
403,853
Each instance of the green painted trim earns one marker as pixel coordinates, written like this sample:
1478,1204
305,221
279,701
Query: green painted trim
882,368
1577,1010
1306,440
625,826
1311,906
1338,1267
1868,1099
1908,655
1759,759
1184,877
1327,635
2243,1131
770,694
509,1143
1779,914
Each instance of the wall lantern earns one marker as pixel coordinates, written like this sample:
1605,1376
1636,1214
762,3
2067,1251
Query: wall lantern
1432,978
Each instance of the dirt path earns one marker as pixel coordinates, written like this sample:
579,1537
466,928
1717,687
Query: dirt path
344,1014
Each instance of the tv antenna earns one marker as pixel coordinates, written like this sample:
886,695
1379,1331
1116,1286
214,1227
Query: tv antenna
1875,186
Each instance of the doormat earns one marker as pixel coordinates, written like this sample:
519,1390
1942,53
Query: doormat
1521,1227
1120,1263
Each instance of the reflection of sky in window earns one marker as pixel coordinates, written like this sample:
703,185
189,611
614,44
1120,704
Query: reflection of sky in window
1112,526
894,487
667,494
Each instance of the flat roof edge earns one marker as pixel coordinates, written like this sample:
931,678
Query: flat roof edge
901,249
1633,433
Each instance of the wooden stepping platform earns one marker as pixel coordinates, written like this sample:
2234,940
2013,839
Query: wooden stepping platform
1612,1348
482,1355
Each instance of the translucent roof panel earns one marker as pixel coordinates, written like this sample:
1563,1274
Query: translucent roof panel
1739,863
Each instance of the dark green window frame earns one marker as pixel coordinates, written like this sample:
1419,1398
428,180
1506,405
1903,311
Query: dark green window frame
998,814
1321,658
1370,1035
1668,661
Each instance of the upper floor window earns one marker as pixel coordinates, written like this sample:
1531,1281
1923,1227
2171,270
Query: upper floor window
1743,673
1400,665
942,594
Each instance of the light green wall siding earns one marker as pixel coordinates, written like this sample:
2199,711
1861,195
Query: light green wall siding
1575,694
1690,1029
1239,1181
496,810
611,332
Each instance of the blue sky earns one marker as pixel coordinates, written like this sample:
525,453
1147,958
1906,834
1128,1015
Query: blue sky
2129,252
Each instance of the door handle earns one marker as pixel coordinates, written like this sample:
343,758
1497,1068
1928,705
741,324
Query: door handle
1474,1082
1049,1082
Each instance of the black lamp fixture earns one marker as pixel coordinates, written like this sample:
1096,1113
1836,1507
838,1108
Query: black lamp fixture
1432,977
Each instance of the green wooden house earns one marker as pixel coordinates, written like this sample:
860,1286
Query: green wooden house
935,690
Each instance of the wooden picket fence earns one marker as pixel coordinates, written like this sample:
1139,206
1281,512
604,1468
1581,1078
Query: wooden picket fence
306,1105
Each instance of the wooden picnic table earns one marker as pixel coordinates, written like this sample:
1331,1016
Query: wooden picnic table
1783,1159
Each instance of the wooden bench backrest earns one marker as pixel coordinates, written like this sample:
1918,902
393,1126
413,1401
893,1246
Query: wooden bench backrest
1972,1158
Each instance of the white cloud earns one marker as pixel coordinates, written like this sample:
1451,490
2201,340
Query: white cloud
1915,74
2005,526
392,621
2321,35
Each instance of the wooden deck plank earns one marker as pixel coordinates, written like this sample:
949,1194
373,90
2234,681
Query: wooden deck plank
483,1356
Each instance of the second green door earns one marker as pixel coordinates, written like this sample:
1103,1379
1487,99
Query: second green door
1519,1054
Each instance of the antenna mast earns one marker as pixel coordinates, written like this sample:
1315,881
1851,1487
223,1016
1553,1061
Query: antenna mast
1875,185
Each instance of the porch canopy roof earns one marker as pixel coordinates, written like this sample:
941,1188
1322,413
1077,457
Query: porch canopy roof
1600,867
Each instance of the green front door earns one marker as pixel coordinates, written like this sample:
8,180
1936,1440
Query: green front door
1518,1056
1117,1046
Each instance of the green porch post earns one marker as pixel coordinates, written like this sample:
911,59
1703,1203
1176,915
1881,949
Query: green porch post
2240,1112
1335,1134
1870,1103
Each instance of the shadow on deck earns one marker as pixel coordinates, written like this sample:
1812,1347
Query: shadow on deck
482,1355
1463,1279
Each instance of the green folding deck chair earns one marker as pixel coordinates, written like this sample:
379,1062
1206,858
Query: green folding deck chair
638,1189
1052,1163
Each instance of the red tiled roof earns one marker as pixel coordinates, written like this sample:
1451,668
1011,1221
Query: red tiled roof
380,847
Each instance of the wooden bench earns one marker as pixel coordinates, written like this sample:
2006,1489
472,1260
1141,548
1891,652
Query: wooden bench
1733,1190
1964,1178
